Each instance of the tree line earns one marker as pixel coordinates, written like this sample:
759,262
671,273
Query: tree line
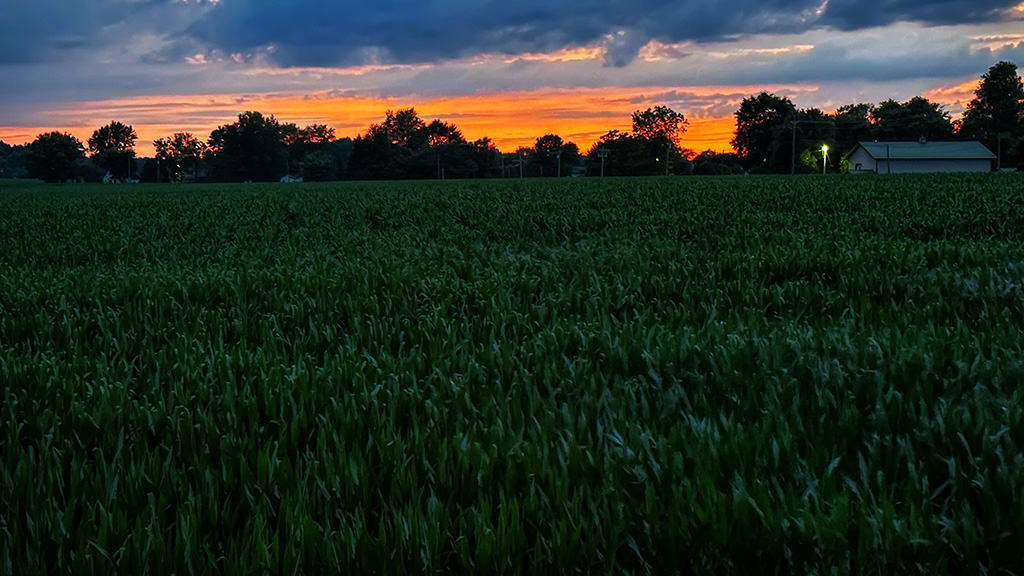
772,136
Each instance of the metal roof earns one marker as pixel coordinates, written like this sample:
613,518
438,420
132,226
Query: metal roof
927,151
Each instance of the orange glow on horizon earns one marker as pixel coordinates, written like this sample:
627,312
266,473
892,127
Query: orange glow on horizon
954,96
511,119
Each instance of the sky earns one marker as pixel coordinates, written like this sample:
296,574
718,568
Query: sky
512,71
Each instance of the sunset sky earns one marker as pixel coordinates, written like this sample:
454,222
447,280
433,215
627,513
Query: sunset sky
513,71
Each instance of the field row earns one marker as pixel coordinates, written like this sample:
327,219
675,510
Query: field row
670,376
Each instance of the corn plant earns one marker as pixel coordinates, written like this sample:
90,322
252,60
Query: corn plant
665,376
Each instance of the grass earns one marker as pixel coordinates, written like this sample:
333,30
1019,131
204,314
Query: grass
749,375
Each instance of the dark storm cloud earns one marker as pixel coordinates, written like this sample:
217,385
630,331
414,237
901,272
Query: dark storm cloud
858,14
312,33
317,33
301,33
33,31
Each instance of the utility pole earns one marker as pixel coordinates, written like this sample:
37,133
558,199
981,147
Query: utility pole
520,164
668,152
602,153
559,156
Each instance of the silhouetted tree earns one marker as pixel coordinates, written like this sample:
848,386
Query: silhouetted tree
341,150
624,152
316,135
328,159
996,114
301,142
404,147
487,158
54,157
657,131
252,148
11,161
372,156
112,148
389,150
911,120
853,125
403,128
758,121
660,123
440,133
551,155
179,152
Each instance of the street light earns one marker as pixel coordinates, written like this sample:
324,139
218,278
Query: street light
824,158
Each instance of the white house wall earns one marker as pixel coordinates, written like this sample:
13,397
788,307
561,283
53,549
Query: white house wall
867,163
926,166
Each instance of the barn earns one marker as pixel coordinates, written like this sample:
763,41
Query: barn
917,157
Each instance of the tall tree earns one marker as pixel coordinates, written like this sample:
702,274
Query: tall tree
758,121
403,146
403,128
657,131
551,156
440,133
487,157
997,111
54,157
853,125
252,148
911,120
316,134
301,142
112,148
372,155
180,152
660,123
387,149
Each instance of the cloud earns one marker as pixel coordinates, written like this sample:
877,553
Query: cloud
332,33
340,33
67,58
859,14
33,31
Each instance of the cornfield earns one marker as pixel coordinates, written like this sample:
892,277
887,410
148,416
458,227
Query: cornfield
664,376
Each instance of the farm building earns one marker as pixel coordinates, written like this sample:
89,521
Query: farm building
916,157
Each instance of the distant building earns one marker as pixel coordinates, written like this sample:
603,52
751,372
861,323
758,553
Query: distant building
918,157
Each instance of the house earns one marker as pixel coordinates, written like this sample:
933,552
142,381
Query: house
916,157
